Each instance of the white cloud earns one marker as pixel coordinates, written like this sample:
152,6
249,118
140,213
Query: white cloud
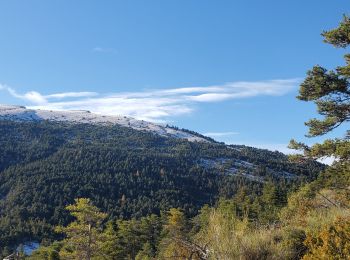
246,89
154,105
220,134
192,90
72,94
31,96
211,97
34,97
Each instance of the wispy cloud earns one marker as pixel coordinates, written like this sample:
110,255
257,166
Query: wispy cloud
244,89
31,96
72,94
154,105
37,98
105,50
220,134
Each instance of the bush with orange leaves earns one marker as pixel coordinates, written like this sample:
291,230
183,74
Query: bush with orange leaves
332,242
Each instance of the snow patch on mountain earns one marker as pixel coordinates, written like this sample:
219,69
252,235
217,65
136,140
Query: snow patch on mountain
236,167
231,167
21,113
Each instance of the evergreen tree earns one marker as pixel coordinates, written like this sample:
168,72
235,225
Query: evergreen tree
312,209
151,228
130,238
173,245
109,246
146,253
84,235
330,91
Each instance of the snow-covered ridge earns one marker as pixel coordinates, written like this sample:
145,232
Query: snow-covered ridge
21,113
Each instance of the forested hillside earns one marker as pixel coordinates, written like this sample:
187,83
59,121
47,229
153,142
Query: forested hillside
125,172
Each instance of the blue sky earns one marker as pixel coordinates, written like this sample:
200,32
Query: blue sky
230,69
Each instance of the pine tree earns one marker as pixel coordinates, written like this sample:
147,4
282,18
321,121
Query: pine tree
330,91
329,195
109,246
175,237
146,253
83,236
151,227
130,234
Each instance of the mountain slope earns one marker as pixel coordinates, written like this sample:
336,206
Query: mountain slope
45,164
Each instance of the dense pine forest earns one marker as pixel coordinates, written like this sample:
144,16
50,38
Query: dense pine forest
126,173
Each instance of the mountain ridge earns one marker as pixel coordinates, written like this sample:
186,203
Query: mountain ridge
21,113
